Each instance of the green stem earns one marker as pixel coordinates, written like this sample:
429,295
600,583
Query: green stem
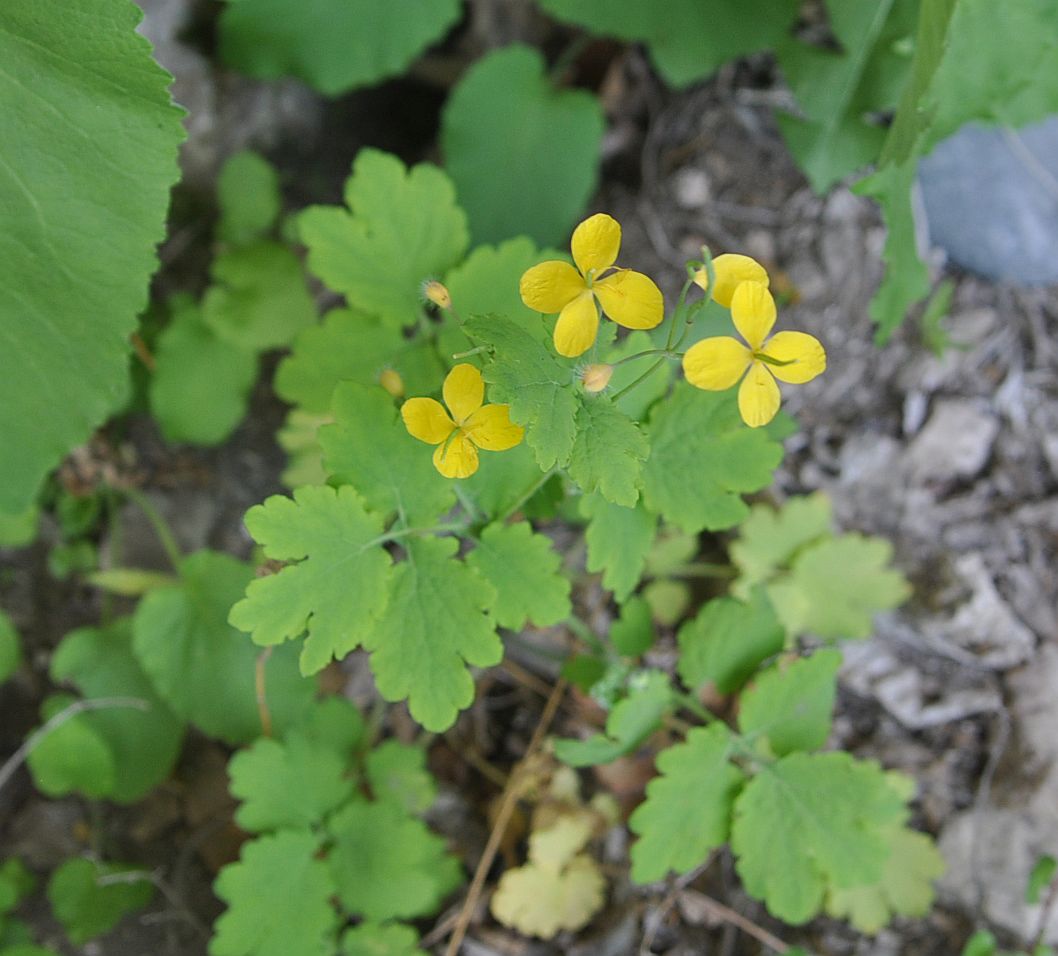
526,495
567,58
679,305
409,532
160,525
469,352
691,703
466,502
642,378
666,352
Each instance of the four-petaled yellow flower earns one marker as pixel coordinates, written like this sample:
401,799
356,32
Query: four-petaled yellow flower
718,363
629,298
472,424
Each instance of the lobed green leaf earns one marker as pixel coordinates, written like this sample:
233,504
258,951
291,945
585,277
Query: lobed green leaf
338,587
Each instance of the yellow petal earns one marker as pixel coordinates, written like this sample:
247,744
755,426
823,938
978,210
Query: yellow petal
758,396
717,363
426,420
491,428
464,391
457,458
577,326
753,312
631,299
596,242
550,286
803,350
731,271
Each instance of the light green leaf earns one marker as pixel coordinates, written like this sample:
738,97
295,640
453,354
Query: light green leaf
369,448
201,384
525,374
337,588
728,641
18,530
434,627
1041,876
398,773
905,889
350,347
687,812
372,939
792,706
388,865
770,538
618,539
668,600
505,482
693,37
10,648
487,281
906,276
73,757
332,45
810,824
16,883
86,904
630,722
837,90
289,785
248,194
526,572
204,668
298,438
523,155
837,586
259,300
401,228
142,744
982,943
279,900
608,452
633,633
334,722
90,143
702,458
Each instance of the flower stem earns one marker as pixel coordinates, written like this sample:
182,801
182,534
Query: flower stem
411,532
642,378
160,525
527,494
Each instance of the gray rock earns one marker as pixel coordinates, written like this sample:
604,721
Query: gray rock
905,692
954,444
991,200
984,624
990,854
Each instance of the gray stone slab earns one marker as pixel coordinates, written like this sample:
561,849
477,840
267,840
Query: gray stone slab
991,201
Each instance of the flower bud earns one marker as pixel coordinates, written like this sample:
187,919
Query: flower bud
433,291
596,377
701,279
391,381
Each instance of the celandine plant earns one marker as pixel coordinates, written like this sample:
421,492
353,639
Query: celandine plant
426,559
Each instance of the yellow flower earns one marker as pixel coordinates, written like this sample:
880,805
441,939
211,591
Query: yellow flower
472,424
731,271
629,298
718,363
